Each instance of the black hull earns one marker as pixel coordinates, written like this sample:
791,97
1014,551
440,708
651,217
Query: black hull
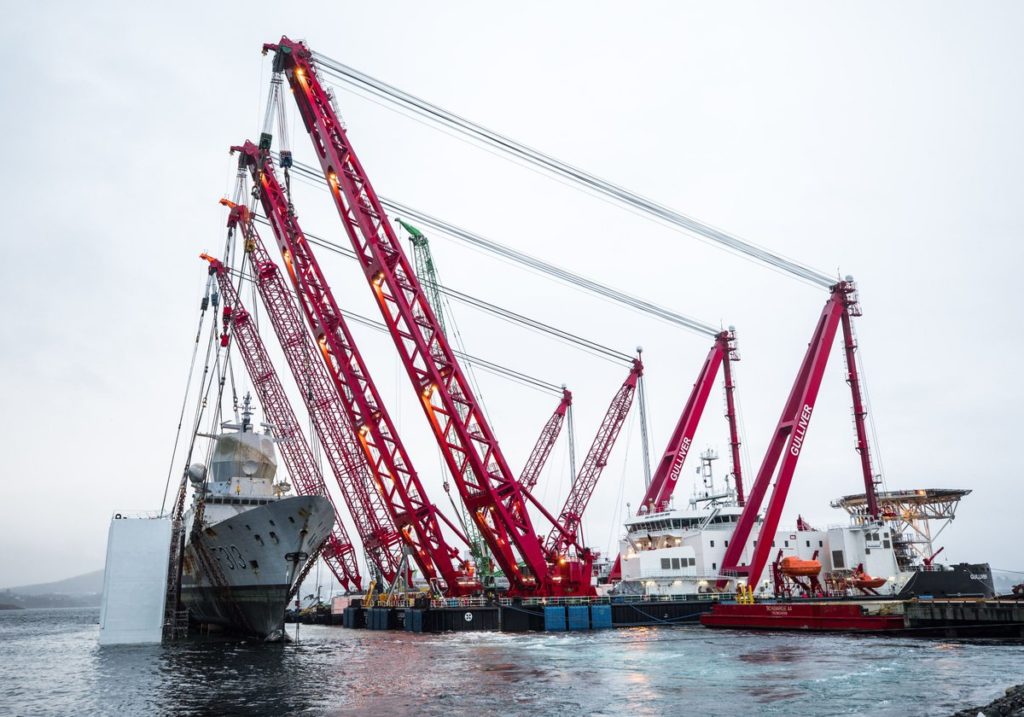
961,580
255,611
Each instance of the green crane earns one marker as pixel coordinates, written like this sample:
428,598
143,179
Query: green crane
427,274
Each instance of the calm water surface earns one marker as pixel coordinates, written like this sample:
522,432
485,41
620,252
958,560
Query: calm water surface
50,664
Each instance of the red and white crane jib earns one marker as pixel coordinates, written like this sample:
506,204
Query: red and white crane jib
569,528
381,540
416,518
791,432
666,476
488,488
339,553
545,442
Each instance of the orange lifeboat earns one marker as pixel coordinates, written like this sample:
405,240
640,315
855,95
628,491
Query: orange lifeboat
794,566
863,580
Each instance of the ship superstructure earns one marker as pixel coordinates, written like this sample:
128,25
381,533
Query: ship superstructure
681,552
247,538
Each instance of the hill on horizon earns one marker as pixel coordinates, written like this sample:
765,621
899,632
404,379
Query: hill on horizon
84,584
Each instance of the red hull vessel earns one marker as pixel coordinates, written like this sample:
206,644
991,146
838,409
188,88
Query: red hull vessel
811,616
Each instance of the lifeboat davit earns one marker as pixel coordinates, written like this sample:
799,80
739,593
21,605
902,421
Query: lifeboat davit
794,566
863,580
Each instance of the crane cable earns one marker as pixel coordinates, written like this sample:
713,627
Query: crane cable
590,183
531,263
204,305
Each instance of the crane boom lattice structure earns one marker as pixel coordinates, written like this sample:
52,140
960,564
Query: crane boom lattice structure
538,457
381,540
569,527
339,552
417,519
488,488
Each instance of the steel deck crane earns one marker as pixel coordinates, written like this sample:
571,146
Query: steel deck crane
487,486
339,554
666,476
791,432
381,540
416,518
569,528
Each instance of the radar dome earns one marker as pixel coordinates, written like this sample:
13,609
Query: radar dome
197,473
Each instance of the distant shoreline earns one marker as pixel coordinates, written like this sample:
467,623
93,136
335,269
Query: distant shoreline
5,606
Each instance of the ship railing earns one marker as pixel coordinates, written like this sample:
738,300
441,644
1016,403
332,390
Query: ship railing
138,515
462,602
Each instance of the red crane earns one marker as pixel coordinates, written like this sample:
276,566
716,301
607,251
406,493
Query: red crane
417,519
545,442
568,530
339,554
381,540
666,475
488,488
791,432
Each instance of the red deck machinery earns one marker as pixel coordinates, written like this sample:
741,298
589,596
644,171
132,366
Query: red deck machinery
791,432
416,518
489,490
339,553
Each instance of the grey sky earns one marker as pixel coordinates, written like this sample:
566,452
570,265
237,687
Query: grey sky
878,140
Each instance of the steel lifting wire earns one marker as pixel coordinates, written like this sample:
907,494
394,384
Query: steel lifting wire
531,263
562,170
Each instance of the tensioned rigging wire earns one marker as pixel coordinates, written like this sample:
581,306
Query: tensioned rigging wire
509,147
530,262
568,337
616,516
184,401
504,371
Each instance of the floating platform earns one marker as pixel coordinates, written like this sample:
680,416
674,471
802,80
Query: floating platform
509,615
861,616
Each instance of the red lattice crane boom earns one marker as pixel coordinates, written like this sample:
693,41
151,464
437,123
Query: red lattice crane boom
791,432
545,442
417,519
339,554
381,540
488,487
570,519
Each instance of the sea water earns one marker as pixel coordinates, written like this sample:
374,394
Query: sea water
50,663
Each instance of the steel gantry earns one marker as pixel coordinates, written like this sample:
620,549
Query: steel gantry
791,432
339,553
488,487
417,519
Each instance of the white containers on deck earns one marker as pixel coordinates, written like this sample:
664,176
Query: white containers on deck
135,580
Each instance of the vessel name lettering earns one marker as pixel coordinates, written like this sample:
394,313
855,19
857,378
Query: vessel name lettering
801,430
677,466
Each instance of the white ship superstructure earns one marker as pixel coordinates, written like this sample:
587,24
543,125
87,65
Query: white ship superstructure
254,539
681,551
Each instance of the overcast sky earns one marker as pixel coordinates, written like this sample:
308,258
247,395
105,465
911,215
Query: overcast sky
873,139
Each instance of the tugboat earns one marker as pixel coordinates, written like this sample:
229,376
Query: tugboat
247,540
